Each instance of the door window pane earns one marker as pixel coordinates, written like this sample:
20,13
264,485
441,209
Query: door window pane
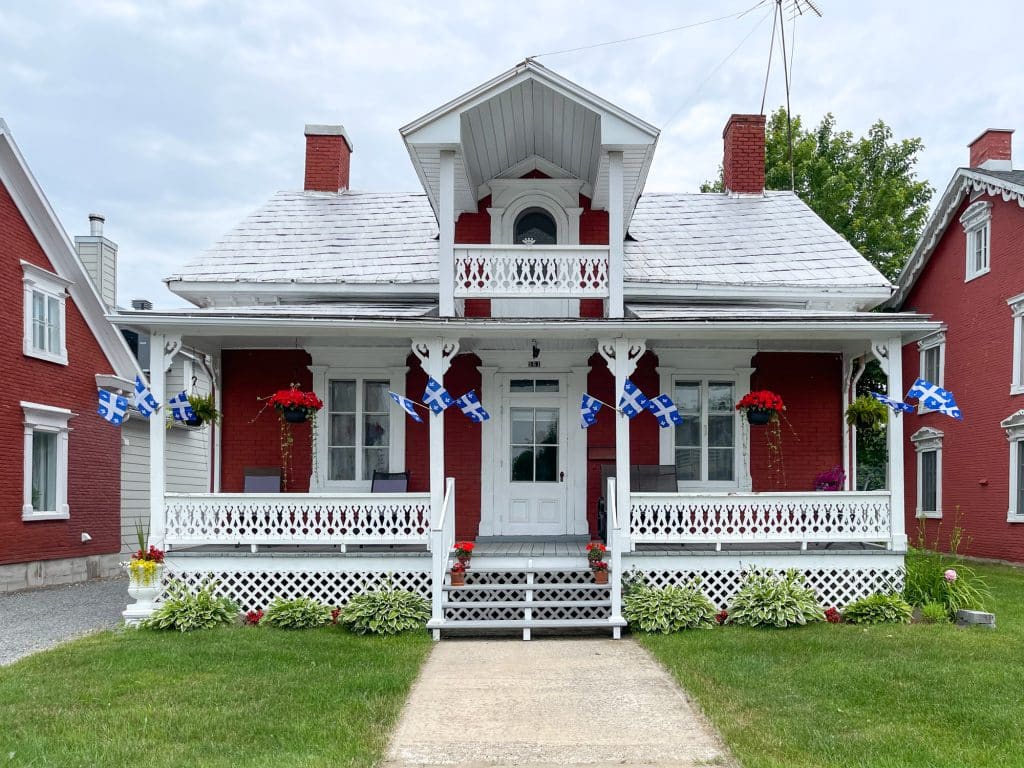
376,427
44,471
688,448
929,484
721,431
342,437
533,447
522,464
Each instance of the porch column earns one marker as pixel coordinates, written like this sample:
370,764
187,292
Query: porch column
616,237
435,356
890,354
446,244
163,348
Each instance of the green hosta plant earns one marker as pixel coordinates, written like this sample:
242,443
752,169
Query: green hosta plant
385,611
768,600
668,609
299,613
878,609
185,611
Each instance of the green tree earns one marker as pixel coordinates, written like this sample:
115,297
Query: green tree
865,188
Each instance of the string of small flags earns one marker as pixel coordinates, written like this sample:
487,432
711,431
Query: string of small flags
632,403
436,399
114,408
928,395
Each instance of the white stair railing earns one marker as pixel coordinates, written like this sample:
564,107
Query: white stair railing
615,544
442,539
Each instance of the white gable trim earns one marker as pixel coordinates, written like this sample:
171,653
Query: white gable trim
964,182
48,232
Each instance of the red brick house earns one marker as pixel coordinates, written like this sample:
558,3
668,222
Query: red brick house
967,271
533,268
59,462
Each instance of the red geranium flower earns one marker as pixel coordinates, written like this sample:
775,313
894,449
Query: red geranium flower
152,554
296,398
252,618
832,616
721,616
761,400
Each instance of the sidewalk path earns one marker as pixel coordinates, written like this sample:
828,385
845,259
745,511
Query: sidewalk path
35,619
547,703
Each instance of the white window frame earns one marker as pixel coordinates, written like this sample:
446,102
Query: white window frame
46,418
928,440
51,286
936,340
1014,426
977,223
323,375
741,457
1017,374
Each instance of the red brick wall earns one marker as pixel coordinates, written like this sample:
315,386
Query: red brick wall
643,430
979,361
812,440
327,163
593,224
743,159
461,440
94,446
991,145
251,438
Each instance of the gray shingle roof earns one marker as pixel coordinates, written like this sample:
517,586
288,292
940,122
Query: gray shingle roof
713,238
1012,177
380,238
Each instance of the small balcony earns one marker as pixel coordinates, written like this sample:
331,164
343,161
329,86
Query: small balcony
513,271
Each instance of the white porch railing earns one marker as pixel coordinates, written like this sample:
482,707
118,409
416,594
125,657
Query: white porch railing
194,519
553,271
745,518
442,540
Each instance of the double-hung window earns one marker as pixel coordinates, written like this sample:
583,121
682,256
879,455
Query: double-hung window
932,352
705,443
1014,426
46,462
44,327
977,224
928,446
1017,374
359,429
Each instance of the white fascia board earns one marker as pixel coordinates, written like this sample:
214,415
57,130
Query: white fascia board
37,212
866,297
220,293
872,326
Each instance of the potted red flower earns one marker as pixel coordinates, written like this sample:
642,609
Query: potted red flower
458,574
600,569
761,406
595,551
463,552
296,406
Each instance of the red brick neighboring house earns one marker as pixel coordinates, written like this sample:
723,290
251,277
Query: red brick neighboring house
968,272
60,463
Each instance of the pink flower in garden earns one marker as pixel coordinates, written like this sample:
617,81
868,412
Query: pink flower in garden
950,575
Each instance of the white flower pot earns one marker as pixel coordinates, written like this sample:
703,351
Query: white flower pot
145,595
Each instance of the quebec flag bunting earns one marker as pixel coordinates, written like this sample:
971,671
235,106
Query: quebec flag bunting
436,397
897,405
470,405
633,401
144,400
407,405
934,398
113,408
588,411
180,408
665,411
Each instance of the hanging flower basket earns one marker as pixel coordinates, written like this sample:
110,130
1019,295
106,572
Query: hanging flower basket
761,406
294,405
294,415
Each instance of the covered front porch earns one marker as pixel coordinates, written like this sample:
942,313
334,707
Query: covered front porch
529,484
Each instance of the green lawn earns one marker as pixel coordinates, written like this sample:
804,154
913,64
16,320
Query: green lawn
226,697
841,695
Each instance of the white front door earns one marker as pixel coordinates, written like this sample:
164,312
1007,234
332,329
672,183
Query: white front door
532,490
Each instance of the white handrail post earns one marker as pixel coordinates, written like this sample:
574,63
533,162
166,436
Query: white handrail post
615,542
163,349
442,537
897,523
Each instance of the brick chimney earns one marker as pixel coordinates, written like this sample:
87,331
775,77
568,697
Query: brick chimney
992,150
743,162
328,153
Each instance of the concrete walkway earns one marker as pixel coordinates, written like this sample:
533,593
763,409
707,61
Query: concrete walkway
36,619
550,703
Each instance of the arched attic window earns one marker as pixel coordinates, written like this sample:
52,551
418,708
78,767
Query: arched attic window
537,226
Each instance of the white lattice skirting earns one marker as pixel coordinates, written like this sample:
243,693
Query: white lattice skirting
254,582
837,582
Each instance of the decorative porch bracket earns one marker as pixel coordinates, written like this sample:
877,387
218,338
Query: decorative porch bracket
435,356
889,353
621,356
163,348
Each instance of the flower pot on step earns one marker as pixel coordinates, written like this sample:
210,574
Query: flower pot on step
458,578
600,577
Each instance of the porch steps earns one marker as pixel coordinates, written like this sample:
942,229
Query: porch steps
499,598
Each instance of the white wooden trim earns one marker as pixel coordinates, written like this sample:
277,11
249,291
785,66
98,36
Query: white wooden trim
977,222
558,197
159,346
49,286
576,460
52,420
933,341
1016,305
490,434
616,236
446,238
893,367
1014,426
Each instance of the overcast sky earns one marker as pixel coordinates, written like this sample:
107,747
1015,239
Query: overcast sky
175,119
